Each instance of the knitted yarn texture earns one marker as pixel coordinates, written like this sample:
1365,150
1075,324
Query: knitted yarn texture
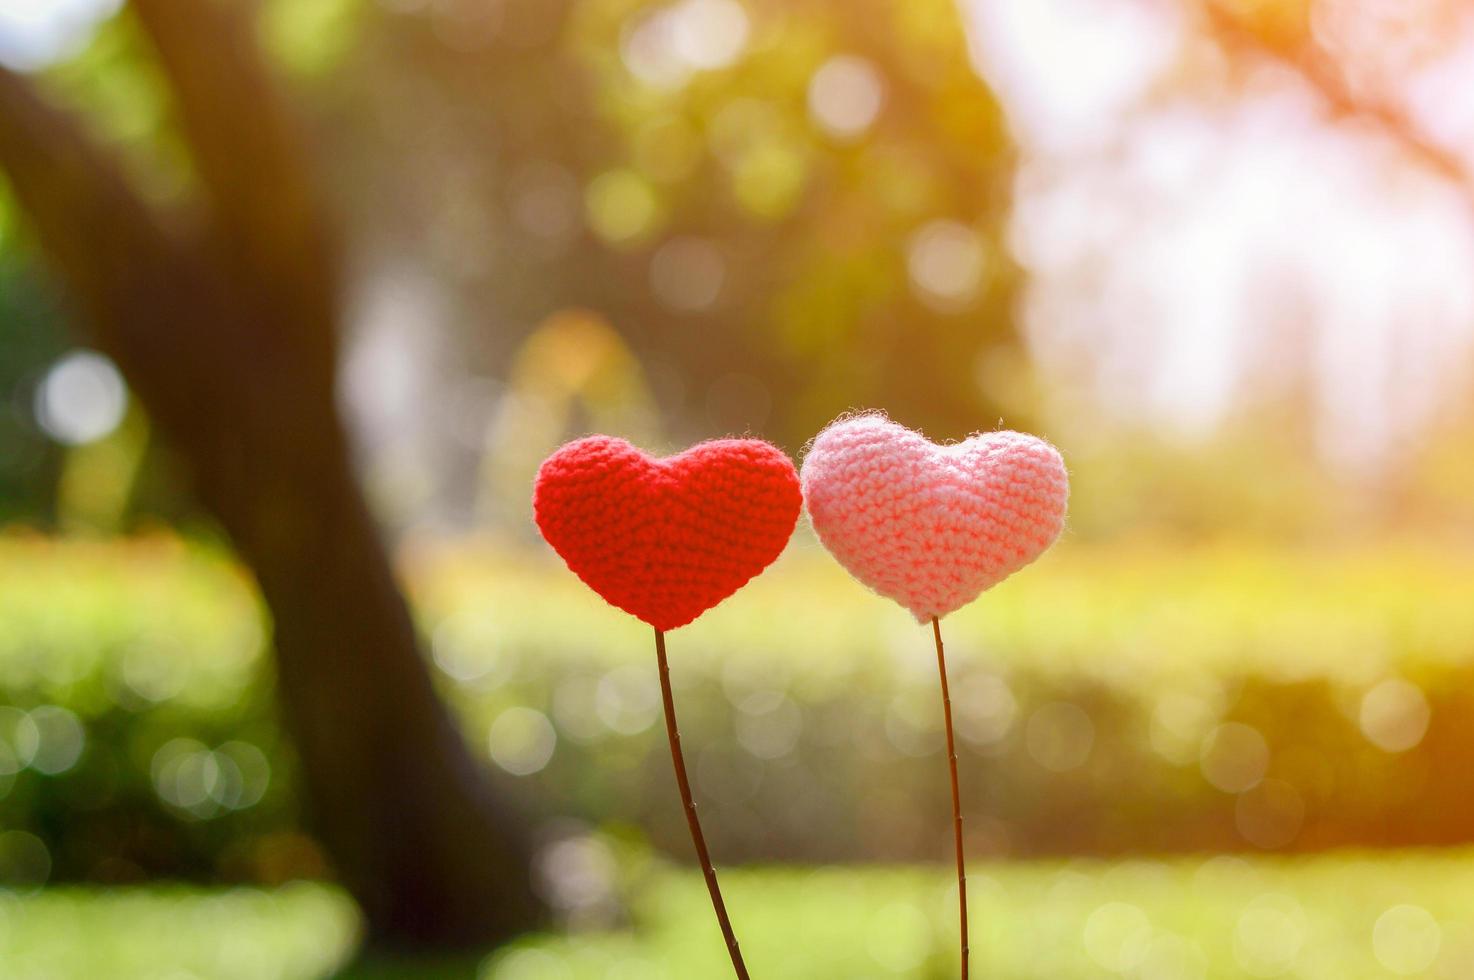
666,539
932,526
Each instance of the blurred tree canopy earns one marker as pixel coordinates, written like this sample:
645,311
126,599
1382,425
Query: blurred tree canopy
743,191
783,210
775,212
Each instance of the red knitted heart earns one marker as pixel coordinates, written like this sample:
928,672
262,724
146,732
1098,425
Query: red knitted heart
666,539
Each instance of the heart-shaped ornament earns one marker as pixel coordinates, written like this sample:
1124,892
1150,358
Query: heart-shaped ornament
666,539
932,526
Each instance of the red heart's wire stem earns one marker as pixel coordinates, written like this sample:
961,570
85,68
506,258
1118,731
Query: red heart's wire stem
697,838
936,628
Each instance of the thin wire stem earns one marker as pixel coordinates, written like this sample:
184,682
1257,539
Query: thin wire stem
697,838
936,628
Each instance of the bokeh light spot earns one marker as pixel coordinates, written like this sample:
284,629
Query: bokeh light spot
204,783
60,739
149,676
81,399
19,740
622,207
947,262
845,96
709,33
1406,939
767,181
36,33
577,872
1234,757
986,709
462,648
627,700
186,774
666,46
648,50
522,741
1395,715
251,775
1179,722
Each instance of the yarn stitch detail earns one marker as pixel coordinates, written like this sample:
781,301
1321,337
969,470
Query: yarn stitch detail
667,539
932,526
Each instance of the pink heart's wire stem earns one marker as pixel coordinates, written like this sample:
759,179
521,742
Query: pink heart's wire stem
697,838
936,628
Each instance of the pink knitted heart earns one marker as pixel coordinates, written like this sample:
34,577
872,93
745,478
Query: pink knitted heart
932,526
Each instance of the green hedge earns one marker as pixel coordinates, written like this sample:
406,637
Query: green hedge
1109,701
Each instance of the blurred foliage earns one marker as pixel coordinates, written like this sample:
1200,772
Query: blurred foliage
573,369
133,679
1349,917
1281,23
1112,701
1259,480
29,462
663,165
669,219
783,210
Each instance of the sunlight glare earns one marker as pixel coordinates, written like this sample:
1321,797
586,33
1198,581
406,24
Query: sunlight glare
37,33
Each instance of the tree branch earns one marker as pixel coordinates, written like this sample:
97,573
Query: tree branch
116,254
81,206
1328,81
250,156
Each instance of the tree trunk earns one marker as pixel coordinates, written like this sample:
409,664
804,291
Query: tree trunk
226,326
409,820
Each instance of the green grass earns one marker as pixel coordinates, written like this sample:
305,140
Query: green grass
1342,917
176,933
